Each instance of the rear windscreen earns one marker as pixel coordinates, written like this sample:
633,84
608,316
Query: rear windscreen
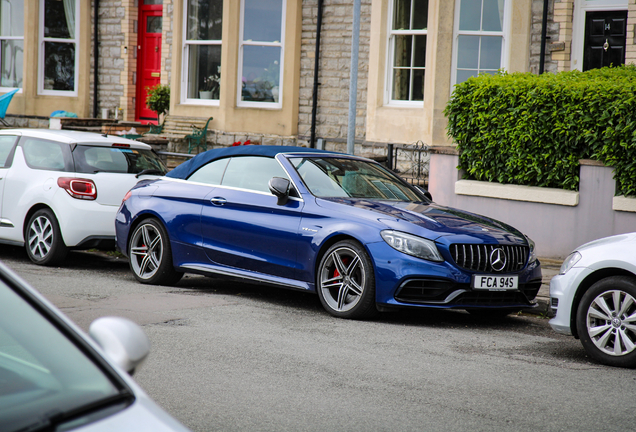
89,159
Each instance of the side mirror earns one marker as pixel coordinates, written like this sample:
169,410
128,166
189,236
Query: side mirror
123,341
424,191
279,187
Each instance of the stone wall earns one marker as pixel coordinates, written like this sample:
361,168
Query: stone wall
166,42
335,63
110,64
552,42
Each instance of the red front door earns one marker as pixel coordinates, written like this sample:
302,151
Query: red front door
148,57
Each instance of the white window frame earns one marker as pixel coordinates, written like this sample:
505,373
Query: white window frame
186,61
504,33
19,38
388,100
239,77
74,40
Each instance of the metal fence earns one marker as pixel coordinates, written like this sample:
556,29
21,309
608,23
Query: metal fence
409,161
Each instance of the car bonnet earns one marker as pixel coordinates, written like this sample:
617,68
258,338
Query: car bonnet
438,219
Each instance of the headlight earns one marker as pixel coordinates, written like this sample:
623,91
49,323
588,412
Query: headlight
532,257
569,262
412,245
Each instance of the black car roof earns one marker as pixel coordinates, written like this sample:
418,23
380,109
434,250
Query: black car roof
184,170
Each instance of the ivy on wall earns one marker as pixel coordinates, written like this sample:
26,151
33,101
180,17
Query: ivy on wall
532,130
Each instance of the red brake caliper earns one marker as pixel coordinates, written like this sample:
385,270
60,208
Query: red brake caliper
336,273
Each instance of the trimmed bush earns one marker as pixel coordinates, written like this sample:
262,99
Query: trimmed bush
532,130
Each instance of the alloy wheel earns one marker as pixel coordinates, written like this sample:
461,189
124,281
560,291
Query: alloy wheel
146,251
342,279
40,237
611,322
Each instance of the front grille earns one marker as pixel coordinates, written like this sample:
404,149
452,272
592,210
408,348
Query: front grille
494,298
476,257
443,292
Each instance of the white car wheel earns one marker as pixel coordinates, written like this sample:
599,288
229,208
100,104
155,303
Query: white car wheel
606,321
43,239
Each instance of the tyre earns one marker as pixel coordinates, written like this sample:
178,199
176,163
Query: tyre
345,281
606,321
43,239
150,255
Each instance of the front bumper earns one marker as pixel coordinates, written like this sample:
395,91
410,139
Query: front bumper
562,292
402,280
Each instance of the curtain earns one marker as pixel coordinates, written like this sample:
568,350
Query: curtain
69,9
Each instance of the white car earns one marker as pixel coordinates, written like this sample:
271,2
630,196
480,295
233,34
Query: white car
54,377
60,190
594,297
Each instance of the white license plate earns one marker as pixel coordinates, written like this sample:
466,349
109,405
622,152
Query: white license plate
495,283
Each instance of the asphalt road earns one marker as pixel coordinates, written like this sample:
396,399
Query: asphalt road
238,357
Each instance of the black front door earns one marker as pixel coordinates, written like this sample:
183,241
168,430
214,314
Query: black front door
604,39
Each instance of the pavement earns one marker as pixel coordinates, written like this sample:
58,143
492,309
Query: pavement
549,269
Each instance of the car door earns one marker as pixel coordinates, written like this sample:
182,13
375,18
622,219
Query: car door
7,149
242,224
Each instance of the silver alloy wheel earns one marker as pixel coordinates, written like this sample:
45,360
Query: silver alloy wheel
342,279
611,322
40,237
146,251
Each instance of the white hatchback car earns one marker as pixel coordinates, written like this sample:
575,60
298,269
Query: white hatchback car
60,190
594,297
55,378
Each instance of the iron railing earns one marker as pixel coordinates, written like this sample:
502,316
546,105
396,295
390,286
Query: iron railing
409,161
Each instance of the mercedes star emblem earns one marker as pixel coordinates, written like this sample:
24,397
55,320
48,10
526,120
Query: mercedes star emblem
498,259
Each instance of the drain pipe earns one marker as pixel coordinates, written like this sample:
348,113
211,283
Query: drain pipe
95,56
314,107
544,30
353,81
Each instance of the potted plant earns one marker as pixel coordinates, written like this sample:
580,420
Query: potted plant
158,100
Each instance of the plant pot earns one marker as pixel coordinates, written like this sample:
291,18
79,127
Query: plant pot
205,95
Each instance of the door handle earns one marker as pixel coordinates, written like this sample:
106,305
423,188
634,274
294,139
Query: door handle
218,201
605,45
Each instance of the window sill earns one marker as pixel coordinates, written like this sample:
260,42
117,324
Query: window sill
623,203
203,102
404,104
517,192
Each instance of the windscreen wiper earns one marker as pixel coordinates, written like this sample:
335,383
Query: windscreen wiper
56,418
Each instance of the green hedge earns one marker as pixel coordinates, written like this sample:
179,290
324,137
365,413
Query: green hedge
532,130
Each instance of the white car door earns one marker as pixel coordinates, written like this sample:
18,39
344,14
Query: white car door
7,147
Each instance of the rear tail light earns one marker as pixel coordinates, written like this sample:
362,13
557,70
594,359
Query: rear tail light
121,145
78,188
128,195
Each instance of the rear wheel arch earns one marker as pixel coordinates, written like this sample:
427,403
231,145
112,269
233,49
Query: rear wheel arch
585,286
152,263
31,212
139,220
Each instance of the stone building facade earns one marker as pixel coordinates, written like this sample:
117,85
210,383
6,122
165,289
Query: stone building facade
389,109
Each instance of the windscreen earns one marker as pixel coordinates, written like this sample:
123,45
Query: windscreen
93,159
342,177
41,370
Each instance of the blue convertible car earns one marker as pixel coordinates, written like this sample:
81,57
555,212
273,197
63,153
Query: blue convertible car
342,226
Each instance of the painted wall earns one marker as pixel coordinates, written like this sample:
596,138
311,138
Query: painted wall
556,229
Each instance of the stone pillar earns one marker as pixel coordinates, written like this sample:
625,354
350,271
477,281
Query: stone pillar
563,15
630,49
